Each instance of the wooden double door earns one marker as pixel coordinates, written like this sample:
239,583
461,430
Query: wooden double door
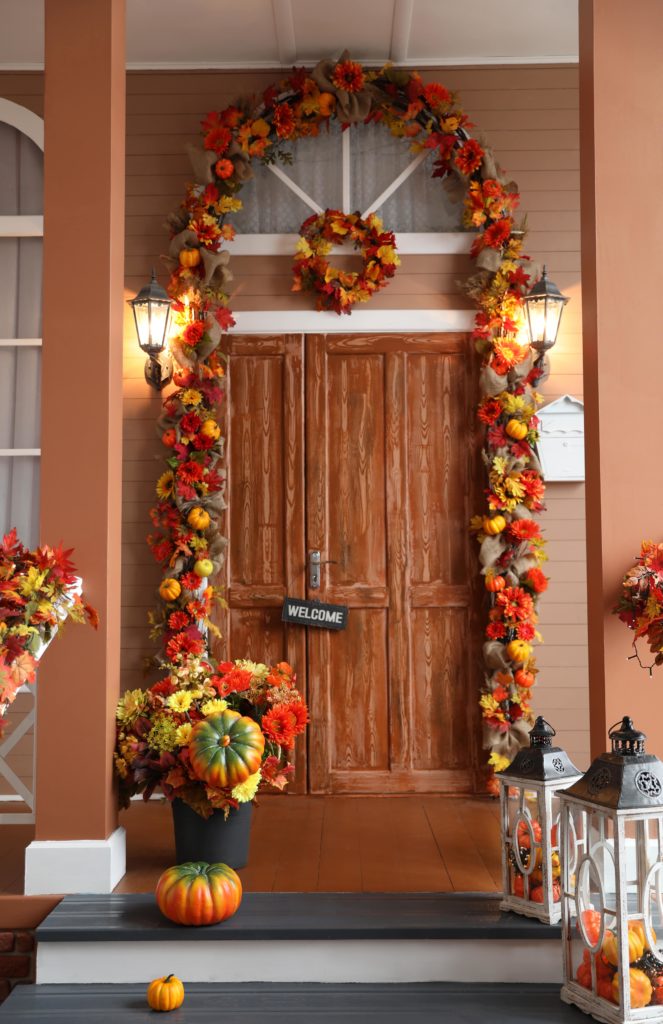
360,447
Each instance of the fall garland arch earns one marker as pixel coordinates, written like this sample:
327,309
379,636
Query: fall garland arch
189,546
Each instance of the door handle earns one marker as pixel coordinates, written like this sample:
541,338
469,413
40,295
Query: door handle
314,570
314,564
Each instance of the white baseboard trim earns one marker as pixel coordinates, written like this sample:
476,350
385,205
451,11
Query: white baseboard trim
320,960
75,865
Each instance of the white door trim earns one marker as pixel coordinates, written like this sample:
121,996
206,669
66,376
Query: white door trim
385,321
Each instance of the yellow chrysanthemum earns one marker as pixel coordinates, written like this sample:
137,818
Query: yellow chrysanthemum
213,707
245,791
180,701
191,397
256,668
498,762
183,734
165,484
130,705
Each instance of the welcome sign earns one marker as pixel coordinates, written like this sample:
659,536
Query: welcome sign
314,613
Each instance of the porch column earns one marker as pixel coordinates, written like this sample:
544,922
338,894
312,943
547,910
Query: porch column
78,845
621,111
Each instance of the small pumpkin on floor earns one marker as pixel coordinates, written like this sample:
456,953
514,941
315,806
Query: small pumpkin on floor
165,993
197,893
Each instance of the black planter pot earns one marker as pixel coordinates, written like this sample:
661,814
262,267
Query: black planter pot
215,839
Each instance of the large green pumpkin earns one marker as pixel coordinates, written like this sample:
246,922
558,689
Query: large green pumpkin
225,749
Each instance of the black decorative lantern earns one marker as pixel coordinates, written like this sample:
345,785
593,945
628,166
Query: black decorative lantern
612,892
151,309
530,824
544,304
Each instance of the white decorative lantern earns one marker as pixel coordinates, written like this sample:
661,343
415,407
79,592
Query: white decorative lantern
531,867
612,884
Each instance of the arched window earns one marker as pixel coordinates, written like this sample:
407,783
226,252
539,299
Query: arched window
21,231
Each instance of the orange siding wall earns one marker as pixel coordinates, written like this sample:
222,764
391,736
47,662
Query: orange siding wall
530,117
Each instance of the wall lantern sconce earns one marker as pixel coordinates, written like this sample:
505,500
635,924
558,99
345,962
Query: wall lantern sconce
531,869
151,309
543,305
612,883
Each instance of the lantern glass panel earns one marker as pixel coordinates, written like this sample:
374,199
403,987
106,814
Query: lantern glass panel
151,326
524,837
544,316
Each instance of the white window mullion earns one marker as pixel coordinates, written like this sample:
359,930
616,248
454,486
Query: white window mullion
294,187
346,186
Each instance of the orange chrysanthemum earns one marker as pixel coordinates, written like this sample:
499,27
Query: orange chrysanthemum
279,725
348,76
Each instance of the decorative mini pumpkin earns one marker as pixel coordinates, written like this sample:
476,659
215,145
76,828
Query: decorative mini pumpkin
492,525
516,429
204,567
198,519
591,925
170,589
189,257
169,438
536,893
524,678
226,748
165,993
636,947
518,650
210,428
494,583
640,985
197,893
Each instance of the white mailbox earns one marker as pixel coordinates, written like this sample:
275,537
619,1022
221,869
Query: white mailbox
562,439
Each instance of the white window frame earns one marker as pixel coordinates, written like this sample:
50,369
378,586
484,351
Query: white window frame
409,243
24,226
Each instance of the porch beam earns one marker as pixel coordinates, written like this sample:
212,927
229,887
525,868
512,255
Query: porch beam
78,845
622,224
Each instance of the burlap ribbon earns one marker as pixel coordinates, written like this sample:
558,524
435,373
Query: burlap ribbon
490,550
350,106
507,744
494,656
202,161
217,272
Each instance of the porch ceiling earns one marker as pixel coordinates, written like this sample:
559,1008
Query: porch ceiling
268,33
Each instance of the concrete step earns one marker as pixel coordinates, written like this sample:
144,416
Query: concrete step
300,937
286,1004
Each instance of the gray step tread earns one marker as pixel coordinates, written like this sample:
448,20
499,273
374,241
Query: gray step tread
283,1004
280,915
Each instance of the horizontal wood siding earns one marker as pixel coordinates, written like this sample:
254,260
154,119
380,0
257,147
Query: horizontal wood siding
530,117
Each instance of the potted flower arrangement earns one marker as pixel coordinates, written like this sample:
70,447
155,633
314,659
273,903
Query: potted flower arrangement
39,592
209,736
641,601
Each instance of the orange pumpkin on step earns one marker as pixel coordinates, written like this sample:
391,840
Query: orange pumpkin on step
197,893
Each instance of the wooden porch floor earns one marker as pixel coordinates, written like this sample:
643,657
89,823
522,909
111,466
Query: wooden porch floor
323,844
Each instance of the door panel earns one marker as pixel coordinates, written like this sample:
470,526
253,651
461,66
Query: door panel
266,554
388,489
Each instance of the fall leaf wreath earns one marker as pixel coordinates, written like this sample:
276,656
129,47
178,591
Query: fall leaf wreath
338,290
427,117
